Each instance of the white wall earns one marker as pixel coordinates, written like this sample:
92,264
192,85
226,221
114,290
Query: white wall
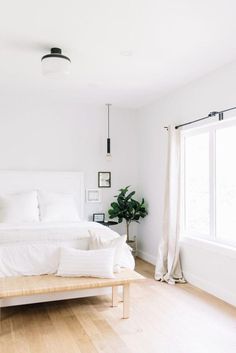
210,267
39,133
213,92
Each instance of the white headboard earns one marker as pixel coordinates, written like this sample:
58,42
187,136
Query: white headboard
65,182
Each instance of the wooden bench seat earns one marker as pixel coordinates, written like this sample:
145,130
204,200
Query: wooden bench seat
12,287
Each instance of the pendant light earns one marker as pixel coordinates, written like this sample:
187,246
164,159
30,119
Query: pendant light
108,133
55,64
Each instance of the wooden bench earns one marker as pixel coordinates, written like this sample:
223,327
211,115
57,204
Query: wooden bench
12,287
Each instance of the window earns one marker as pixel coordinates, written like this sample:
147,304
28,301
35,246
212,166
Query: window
226,184
209,182
197,184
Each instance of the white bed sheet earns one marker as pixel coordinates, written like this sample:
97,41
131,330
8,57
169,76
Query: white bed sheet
33,249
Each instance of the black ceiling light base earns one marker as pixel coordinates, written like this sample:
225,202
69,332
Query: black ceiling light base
56,53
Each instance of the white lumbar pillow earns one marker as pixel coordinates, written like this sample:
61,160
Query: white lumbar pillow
57,207
97,242
85,263
19,207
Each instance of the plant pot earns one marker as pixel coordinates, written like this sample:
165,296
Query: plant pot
133,245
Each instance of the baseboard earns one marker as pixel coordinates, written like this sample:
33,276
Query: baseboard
211,288
147,257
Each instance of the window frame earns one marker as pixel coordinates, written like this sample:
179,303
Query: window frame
185,133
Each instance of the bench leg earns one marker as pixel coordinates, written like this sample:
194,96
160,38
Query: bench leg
0,312
126,301
115,296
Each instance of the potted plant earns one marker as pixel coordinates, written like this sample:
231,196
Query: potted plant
128,209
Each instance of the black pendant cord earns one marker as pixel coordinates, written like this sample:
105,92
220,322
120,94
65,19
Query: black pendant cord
108,120
210,115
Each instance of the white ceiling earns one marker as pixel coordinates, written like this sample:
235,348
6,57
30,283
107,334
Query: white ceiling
171,42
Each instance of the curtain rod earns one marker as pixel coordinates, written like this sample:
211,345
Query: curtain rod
210,115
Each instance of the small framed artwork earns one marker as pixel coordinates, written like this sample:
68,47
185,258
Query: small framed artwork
93,195
104,179
98,217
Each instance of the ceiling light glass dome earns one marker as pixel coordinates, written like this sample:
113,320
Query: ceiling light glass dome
55,64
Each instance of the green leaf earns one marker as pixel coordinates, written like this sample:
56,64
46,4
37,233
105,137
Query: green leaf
129,196
115,205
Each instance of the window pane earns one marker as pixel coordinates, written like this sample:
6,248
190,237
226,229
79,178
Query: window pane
226,184
197,185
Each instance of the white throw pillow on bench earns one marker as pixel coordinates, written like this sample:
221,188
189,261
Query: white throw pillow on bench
85,263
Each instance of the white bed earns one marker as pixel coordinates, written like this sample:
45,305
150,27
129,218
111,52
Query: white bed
19,243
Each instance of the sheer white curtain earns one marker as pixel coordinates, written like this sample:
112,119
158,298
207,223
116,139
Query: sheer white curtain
168,267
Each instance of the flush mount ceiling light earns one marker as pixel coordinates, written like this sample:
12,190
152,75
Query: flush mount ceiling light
55,64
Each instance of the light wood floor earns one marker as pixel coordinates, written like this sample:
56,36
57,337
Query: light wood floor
164,319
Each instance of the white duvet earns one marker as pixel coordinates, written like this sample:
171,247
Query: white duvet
34,249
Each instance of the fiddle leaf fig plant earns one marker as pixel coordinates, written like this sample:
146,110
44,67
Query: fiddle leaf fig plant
127,208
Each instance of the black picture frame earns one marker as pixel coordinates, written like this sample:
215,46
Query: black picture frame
104,179
98,217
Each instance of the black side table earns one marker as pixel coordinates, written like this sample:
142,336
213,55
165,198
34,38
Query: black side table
108,223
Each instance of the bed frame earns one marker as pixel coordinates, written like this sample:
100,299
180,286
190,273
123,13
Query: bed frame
68,182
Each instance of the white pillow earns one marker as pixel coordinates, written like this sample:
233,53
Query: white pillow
97,242
79,263
19,208
57,207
